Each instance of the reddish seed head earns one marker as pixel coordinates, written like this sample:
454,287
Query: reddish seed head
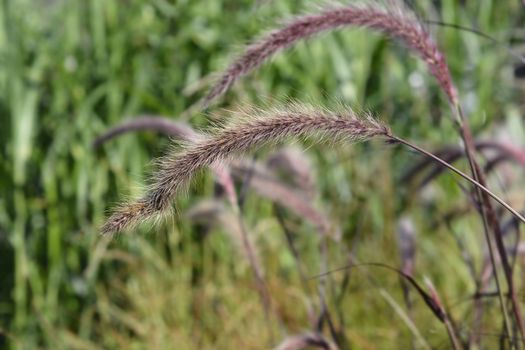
266,127
394,21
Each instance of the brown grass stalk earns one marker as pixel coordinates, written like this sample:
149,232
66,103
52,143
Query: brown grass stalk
490,219
451,154
450,167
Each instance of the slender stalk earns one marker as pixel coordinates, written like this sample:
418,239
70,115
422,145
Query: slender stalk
452,334
490,220
291,245
262,289
324,312
480,188
460,173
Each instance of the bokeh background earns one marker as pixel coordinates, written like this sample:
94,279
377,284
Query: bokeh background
69,70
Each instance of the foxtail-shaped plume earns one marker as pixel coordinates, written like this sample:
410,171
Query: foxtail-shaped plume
392,19
251,130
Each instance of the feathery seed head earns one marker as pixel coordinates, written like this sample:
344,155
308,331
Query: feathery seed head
245,134
392,19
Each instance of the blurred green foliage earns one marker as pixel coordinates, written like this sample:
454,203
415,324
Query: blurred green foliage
71,69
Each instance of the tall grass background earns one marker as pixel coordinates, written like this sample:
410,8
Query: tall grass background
72,69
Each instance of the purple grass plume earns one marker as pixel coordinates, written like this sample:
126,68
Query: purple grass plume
255,129
392,19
